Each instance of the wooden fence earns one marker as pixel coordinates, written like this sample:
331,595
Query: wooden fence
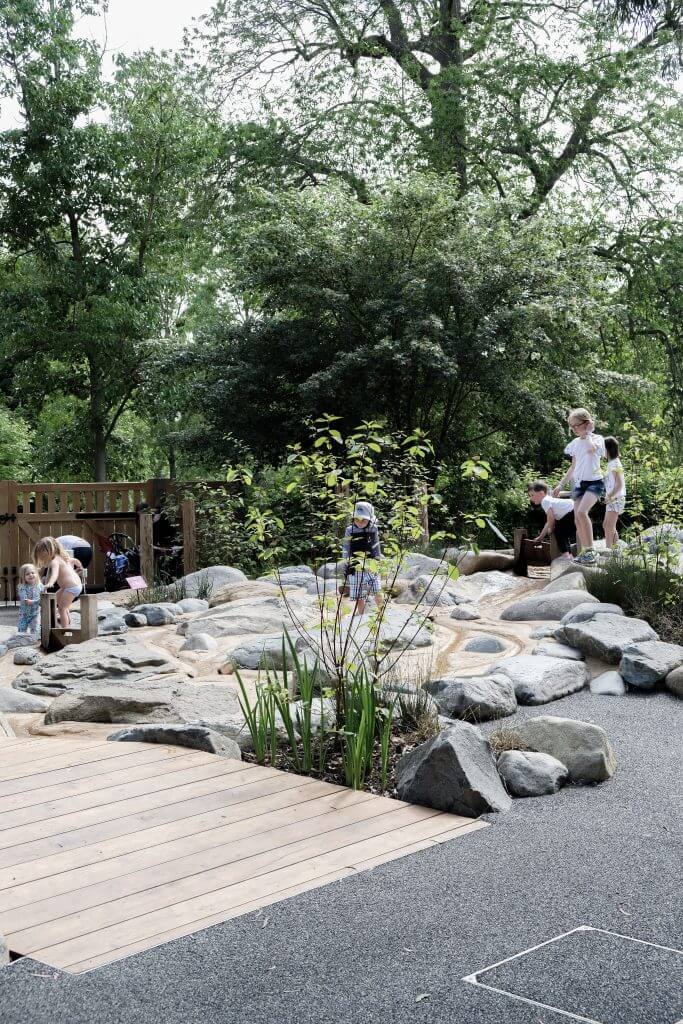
93,511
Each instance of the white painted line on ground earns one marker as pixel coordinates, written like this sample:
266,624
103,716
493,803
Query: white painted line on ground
473,979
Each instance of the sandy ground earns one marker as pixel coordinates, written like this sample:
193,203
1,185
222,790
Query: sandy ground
445,657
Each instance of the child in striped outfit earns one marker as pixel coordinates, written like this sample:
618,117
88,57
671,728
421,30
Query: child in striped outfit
361,545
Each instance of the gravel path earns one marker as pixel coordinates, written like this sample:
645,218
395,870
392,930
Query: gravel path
395,943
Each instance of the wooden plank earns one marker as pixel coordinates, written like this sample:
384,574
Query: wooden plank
180,931
122,930
25,923
99,751
37,750
212,781
119,826
150,763
188,769
213,870
303,804
71,773
113,841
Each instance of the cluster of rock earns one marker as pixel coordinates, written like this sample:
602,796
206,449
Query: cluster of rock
457,771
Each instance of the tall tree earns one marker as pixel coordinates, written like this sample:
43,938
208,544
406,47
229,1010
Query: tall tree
518,96
96,188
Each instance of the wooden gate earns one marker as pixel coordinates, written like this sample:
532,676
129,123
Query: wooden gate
89,510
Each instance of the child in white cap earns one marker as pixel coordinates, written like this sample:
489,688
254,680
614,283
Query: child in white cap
361,544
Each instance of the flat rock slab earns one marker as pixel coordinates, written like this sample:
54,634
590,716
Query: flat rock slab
455,771
81,664
528,773
244,590
608,684
546,606
16,702
263,615
558,651
606,636
159,702
570,581
588,610
583,747
644,665
195,737
538,679
474,698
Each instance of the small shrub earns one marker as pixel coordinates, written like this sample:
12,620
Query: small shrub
505,738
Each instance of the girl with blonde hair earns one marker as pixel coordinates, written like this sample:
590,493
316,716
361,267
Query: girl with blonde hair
61,569
585,451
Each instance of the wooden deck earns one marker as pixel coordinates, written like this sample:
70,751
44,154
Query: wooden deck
107,849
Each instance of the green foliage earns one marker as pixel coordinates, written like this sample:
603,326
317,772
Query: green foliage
15,446
643,580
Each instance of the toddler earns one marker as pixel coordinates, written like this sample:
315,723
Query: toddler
29,601
61,569
615,487
361,542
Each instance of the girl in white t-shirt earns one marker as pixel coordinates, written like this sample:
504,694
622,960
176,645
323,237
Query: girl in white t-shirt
585,451
615,487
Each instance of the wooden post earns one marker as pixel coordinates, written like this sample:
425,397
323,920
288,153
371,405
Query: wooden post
48,618
189,536
146,548
88,610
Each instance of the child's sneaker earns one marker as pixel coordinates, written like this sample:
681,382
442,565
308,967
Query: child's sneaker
586,558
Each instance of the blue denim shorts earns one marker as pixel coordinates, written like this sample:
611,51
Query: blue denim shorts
596,487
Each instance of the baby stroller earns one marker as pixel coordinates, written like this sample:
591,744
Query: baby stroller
121,560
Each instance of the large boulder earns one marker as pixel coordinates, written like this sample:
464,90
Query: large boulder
206,582
455,772
645,664
134,620
674,681
475,698
330,570
479,585
160,702
538,679
588,609
544,605
583,747
112,625
195,737
608,684
77,665
15,702
200,642
415,564
485,560
606,636
570,581
528,773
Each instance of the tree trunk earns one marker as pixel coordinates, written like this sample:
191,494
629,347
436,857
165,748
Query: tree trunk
98,428
99,454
